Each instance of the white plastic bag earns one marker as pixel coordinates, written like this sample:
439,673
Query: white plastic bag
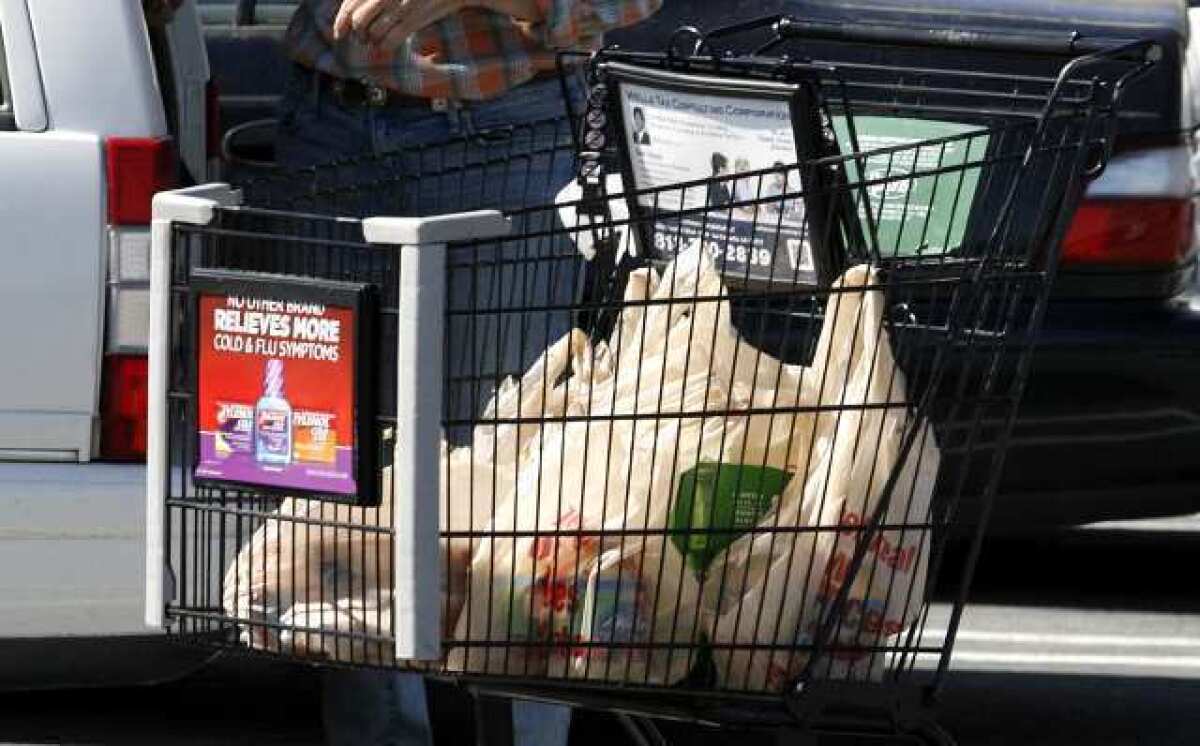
774,585
611,471
638,619
294,567
288,559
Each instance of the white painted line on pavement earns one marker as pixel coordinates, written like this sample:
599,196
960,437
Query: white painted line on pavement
1039,638
1181,524
1067,659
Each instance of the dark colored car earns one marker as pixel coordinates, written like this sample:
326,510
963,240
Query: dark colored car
1110,425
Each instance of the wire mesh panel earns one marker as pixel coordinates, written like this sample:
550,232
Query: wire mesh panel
657,472
290,548
210,526
734,488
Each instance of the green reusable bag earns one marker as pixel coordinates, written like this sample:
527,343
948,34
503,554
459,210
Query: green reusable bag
717,503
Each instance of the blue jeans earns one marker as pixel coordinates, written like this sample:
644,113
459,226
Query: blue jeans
375,708
513,153
398,157
415,160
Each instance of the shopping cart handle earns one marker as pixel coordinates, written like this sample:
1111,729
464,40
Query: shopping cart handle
1070,44
194,205
437,229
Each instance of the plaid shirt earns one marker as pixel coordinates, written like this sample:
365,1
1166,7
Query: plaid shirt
475,54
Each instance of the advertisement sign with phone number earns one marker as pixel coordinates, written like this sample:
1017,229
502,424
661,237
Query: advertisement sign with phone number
716,166
754,227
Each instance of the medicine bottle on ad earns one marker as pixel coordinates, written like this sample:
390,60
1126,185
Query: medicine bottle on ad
273,419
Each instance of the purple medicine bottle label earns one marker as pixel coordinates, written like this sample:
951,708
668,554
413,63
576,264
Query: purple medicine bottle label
273,419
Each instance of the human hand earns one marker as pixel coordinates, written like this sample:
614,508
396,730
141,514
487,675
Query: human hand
525,10
390,22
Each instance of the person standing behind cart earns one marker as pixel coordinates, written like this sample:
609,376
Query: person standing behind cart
372,76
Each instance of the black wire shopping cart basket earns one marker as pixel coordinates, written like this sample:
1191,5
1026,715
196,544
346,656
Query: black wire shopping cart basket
668,406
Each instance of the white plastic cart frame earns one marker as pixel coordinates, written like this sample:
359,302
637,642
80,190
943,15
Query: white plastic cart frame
417,474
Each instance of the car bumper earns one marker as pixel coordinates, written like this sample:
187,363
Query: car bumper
72,554
1110,423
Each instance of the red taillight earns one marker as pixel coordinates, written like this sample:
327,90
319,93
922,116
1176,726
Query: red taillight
1129,232
123,408
138,168
212,119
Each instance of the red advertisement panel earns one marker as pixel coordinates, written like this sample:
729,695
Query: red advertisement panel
276,392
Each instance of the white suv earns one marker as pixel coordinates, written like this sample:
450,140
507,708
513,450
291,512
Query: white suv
98,111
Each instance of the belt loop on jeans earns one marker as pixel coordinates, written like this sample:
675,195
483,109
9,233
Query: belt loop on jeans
468,116
455,117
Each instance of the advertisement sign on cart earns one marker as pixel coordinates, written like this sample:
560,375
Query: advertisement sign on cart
280,383
715,165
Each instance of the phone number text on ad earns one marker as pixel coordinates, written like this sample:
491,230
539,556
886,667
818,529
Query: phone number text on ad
718,250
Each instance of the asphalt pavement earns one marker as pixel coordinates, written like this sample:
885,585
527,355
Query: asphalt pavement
1083,637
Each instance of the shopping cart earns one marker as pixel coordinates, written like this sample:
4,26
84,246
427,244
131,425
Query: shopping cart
681,448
